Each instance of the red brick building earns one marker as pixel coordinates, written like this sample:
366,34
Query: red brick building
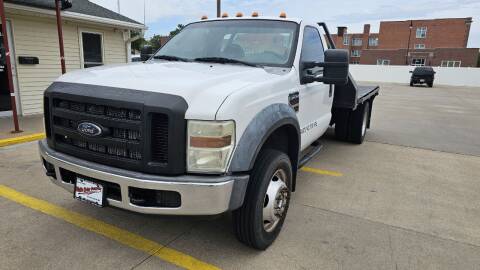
437,42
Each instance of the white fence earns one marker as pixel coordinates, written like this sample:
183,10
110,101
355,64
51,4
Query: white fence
400,74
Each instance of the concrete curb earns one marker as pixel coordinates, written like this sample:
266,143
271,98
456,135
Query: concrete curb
22,139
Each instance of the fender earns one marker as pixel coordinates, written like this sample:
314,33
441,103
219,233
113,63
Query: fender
258,131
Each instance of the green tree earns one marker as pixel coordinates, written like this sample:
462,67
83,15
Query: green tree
139,43
177,30
155,42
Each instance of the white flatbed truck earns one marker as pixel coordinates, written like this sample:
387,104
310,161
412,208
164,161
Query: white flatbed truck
219,119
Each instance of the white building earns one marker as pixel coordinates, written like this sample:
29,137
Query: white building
92,34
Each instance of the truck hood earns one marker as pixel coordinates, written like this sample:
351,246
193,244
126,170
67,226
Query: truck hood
204,86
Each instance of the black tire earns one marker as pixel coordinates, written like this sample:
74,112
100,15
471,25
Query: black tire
430,84
248,220
411,83
341,124
359,123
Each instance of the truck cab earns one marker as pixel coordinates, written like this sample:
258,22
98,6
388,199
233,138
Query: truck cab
219,119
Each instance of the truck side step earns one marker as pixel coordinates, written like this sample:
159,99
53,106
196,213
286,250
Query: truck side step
312,152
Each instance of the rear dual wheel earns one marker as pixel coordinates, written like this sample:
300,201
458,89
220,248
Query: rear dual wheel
352,125
359,123
259,221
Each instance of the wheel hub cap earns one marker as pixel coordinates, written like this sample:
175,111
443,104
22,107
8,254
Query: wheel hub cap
364,123
275,201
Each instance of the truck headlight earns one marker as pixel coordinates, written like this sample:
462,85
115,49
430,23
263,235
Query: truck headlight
210,145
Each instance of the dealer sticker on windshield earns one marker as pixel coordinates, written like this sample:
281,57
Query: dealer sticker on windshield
89,191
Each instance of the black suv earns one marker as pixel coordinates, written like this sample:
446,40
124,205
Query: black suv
421,75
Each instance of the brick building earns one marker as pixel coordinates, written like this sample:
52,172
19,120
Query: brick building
437,42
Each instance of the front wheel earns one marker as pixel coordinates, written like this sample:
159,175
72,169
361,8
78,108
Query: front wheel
259,221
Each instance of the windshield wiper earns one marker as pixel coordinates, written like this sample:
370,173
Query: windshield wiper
171,58
223,60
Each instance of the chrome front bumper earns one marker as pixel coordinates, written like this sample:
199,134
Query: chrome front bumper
200,195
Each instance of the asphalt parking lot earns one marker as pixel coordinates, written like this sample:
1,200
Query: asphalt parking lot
408,198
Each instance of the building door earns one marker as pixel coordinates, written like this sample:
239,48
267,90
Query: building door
5,105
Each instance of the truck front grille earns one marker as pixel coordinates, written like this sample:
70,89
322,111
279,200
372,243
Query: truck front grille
140,131
122,138
160,138
118,113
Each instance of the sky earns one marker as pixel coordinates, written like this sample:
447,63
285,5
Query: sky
162,16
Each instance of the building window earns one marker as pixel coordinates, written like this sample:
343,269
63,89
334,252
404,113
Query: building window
418,62
355,62
92,44
383,62
345,40
419,46
422,32
451,63
357,42
355,53
373,41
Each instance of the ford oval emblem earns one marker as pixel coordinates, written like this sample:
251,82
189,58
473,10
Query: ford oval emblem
89,129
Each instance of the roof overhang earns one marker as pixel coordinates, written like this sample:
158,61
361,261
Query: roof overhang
67,15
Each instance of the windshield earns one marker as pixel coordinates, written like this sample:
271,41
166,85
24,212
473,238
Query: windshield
266,43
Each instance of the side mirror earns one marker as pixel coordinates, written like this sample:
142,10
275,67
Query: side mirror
335,68
146,53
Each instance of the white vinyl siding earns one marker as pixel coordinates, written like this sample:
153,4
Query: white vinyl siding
37,36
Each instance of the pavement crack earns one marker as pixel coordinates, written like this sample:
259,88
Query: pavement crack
164,246
392,257
423,148
392,226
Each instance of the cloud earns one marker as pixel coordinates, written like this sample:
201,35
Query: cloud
161,15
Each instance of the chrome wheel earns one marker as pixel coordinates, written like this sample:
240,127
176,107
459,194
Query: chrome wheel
275,201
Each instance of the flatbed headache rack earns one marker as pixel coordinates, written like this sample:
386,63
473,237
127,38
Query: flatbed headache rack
350,95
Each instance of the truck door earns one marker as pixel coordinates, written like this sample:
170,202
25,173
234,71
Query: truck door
315,98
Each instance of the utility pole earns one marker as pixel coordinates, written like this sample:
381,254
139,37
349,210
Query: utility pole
219,8
408,45
13,103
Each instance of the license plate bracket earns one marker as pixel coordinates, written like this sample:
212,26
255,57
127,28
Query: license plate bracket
89,191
